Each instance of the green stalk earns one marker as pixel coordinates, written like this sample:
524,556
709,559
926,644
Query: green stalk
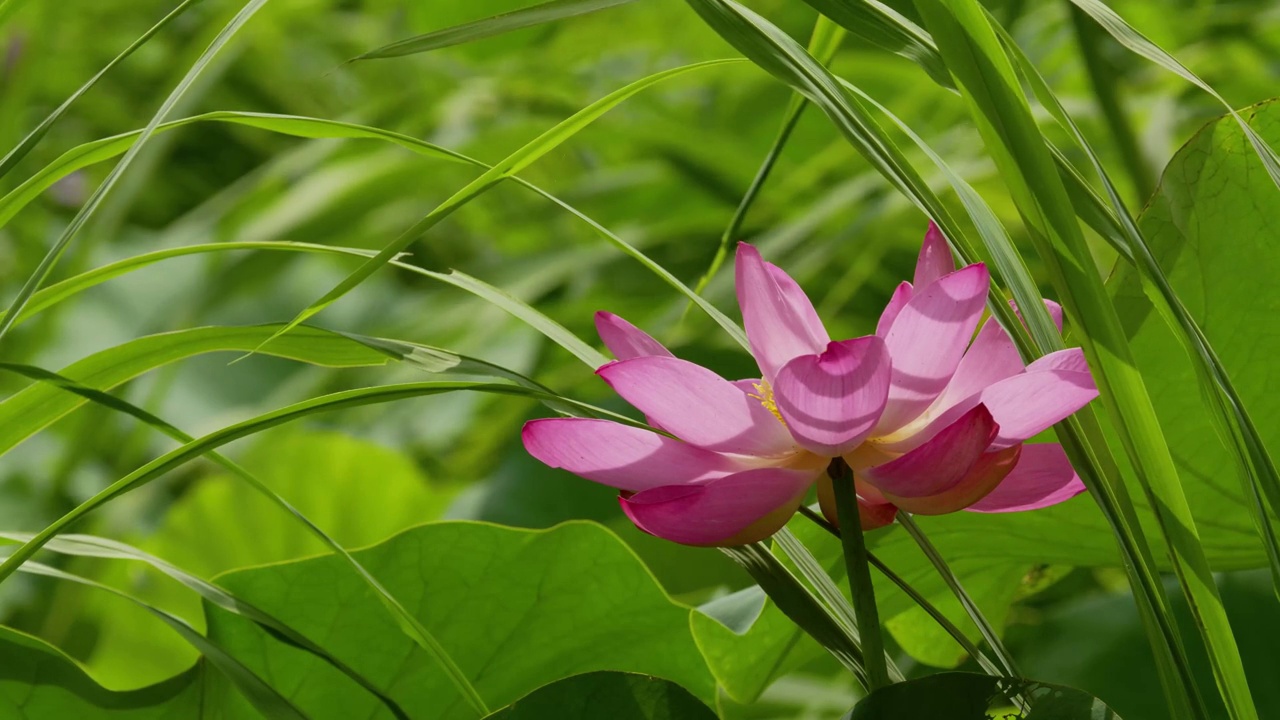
919,599
975,613
856,558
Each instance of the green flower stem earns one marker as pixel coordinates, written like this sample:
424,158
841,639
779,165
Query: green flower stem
943,621
975,613
855,557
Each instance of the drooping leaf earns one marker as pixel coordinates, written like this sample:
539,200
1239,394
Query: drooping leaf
516,609
39,682
488,27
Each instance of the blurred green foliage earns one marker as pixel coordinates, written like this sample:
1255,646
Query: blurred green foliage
664,170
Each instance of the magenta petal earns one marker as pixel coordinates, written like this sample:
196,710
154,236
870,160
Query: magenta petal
628,458
698,406
780,321
901,296
928,338
832,401
938,464
732,510
935,258
1042,477
625,340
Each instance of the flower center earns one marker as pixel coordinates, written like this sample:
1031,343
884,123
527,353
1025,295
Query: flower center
766,399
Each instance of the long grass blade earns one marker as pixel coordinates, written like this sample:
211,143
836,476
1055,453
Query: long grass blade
488,27
988,81
823,45
96,547
307,127
1140,44
264,697
14,156
509,166
95,200
1257,469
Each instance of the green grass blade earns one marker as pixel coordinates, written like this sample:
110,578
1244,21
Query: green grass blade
823,45
31,409
1140,44
14,156
498,24
509,166
988,81
306,127
1257,469
989,633
96,547
191,450
875,22
95,200
797,603
1102,78
264,697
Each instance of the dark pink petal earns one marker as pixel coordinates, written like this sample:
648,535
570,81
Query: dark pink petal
939,464
981,479
935,258
625,340
780,321
832,401
1042,477
732,510
621,456
901,296
698,406
928,338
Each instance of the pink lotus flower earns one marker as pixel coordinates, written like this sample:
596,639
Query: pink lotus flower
903,407
951,433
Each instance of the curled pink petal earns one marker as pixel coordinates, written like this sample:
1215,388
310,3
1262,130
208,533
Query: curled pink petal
698,406
901,296
780,321
937,465
625,340
928,338
1042,477
935,258
991,357
832,401
732,510
628,458
1070,359
982,478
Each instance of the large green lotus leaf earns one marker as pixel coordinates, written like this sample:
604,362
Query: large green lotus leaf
1214,227
359,492
38,682
515,609
612,695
